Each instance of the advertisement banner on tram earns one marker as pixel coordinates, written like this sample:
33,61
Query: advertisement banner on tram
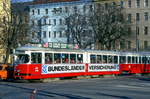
62,68
103,67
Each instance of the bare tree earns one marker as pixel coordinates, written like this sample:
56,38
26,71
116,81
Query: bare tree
109,25
78,30
14,27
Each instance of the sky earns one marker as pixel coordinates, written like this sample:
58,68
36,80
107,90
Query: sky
20,0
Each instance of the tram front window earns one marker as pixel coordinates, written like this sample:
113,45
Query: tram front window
22,58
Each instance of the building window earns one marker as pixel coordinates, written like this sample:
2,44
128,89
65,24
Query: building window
129,29
44,21
145,44
60,21
145,3
75,9
129,44
122,4
129,18
49,34
84,8
38,11
137,3
91,8
60,33
137,16
54,21
44,34
33,23
32,12
137,30
49,21
146,16
46,11
66,9
39,22
106,5
60,10
122,44
113,3
145,30
129,3
54,34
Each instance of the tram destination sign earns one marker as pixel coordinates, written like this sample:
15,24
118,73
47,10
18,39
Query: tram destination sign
60,45
62,68
103,67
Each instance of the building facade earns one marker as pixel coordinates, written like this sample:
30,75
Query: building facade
48,19
138,14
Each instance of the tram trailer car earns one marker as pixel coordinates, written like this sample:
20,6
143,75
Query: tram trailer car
41,63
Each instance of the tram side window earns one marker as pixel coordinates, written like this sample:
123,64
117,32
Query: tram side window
72,58
36,57
105,59
93,58
116,59
148,59
99,59
110,59
57,58
133,59
79,58
122,59
143,59
136,60
48,58
65,58
140,59
129,59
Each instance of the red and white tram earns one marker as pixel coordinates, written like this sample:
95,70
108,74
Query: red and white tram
41,63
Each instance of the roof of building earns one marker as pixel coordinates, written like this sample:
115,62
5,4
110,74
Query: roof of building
42,3
50,1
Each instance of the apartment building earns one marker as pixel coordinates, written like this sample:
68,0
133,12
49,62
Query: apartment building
48,18
138,14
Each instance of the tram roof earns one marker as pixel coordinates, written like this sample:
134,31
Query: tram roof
34,48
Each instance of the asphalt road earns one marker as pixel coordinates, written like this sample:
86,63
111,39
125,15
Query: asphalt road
124,87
